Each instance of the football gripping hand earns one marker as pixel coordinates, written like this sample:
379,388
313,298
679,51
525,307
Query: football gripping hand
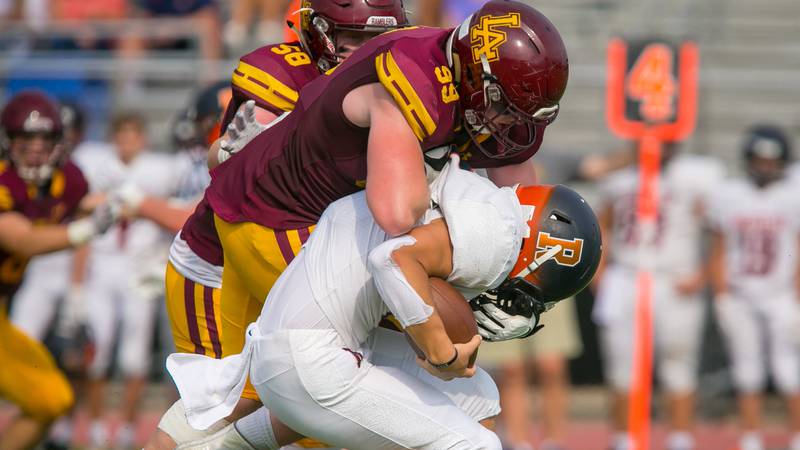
243,128
501,320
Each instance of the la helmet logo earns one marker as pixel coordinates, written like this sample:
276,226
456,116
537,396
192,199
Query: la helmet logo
571,249
37,122
486,37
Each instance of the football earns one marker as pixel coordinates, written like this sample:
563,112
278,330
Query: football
455,312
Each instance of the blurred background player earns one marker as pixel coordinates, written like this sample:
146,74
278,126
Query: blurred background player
52,285
37,186
755,276
193,130
679,277
124,277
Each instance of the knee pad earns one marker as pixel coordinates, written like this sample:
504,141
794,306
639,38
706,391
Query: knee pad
174,423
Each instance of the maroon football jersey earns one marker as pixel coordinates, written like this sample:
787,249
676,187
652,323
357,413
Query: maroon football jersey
272,76
200,234
54,203
290,173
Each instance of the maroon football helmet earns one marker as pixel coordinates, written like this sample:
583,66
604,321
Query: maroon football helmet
322,20
513,72
27,115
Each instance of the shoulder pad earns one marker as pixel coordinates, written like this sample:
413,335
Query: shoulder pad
421,84
273,75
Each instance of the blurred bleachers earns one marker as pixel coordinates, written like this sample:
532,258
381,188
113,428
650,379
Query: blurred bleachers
750,65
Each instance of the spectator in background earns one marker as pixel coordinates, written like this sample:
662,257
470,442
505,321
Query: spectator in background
674,259
124,280
548,353
270,28
755,273
204,22
445,13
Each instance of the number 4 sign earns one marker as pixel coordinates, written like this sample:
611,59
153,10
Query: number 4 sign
645,104
655,87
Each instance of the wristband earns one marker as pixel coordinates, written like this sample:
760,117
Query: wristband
448,363
80,232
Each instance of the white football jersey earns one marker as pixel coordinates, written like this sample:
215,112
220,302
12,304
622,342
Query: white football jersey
684,186
761,229
337,251
140,239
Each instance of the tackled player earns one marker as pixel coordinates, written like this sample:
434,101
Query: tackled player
310,354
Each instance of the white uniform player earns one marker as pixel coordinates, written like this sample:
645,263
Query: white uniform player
755,270
311,349
124,279
760,227
676,266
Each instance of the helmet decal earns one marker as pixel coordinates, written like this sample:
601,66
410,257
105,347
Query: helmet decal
570,253
487,37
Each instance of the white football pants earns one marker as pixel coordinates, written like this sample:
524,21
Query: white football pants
758,330
677,330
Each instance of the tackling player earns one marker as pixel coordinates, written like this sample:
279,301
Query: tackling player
755,279
531,245
393,98
39,192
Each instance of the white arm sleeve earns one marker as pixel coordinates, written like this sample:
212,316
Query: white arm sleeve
404,302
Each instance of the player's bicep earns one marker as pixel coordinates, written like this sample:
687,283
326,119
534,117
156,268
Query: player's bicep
397,188
433,248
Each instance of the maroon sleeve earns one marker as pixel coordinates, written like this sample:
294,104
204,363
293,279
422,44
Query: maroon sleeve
420,82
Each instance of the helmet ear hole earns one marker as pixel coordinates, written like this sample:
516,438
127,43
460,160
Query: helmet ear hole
559,217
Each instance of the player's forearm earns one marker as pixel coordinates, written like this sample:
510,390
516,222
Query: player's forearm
164,213
213,154
402,282
80,258
716,265
38,240
430,336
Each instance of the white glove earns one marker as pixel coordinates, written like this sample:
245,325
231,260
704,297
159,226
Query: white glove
102,218
129,195
243,128
495,324
73,312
